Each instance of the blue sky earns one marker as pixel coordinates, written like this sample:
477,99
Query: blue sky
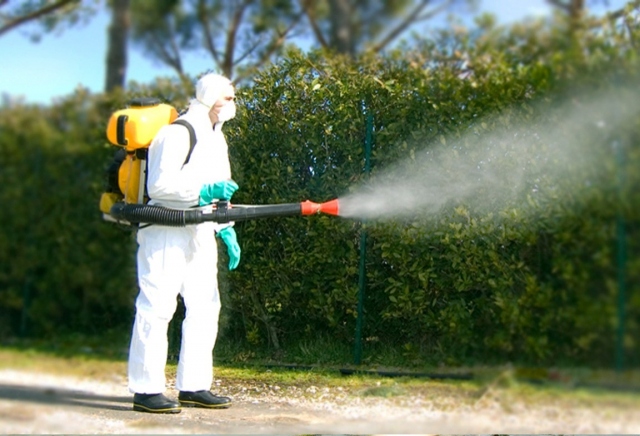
55,66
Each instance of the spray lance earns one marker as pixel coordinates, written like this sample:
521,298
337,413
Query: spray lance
223,212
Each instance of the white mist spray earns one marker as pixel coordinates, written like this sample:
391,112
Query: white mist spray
491,168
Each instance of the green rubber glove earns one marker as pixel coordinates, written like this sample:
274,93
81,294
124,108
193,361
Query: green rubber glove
228,235
220,190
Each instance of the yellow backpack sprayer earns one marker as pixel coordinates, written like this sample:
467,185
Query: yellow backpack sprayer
132,129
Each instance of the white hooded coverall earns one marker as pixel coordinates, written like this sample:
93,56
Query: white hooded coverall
183,260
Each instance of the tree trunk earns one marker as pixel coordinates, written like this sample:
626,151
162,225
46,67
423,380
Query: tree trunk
577,9
573,8
266,319
341,37
117,50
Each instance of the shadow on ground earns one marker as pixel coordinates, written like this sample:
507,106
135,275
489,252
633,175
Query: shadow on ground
61,396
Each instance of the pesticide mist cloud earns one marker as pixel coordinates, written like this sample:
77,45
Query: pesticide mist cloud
493,167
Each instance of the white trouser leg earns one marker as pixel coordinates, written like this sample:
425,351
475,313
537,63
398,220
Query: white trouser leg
161,268
200,326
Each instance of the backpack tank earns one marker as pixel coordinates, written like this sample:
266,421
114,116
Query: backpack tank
133,129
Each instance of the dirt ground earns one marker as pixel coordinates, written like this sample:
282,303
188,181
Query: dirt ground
37,403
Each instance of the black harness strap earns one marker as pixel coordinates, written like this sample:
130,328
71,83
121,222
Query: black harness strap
192,138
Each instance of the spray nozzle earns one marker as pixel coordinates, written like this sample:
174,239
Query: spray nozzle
329,207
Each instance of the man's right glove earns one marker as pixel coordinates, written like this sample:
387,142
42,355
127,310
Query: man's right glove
228,235
220,190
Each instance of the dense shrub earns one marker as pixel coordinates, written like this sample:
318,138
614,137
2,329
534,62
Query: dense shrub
494,275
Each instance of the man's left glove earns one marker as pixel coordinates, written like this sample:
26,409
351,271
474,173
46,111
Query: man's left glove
223,190
228,235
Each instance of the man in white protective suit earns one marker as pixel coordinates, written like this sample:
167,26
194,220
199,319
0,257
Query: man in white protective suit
183,260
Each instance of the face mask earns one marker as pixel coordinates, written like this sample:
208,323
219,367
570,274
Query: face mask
227,112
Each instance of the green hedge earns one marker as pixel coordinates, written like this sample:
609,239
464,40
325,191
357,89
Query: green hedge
526,278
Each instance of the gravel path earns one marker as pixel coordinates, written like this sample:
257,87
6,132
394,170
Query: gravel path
36,403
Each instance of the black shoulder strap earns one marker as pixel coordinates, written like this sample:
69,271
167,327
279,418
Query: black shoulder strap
192,137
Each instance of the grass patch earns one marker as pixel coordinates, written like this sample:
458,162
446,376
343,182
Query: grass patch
384,391
45,362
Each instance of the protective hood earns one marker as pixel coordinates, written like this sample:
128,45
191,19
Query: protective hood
210,88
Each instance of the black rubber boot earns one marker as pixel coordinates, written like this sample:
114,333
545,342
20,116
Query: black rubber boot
203,399
155,403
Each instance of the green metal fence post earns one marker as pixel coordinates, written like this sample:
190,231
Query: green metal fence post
621,243
363,248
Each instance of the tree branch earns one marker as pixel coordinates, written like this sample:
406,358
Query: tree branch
559,4
276,42
232,32
248,51
620,12
34,15
434,12
208,36
412,17
176,58
158,44
305,5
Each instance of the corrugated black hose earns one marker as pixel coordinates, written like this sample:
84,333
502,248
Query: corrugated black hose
222,213
143,213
